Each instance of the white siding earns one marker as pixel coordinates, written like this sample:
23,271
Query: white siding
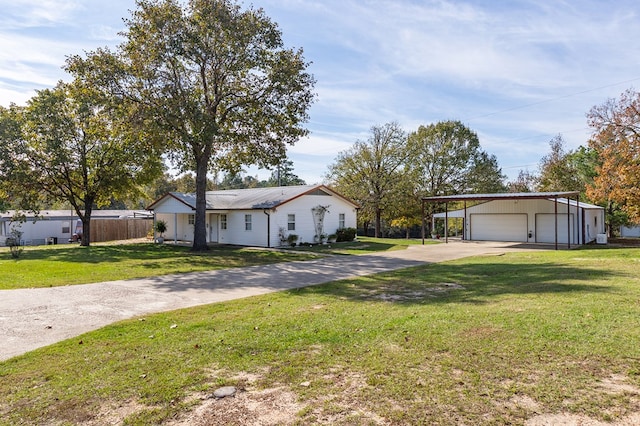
546,228
305,227
37,233
179,229
171,205
630,231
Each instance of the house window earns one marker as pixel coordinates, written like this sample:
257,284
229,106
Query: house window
192,219
223,221
247,222
291,222
66,228
341,221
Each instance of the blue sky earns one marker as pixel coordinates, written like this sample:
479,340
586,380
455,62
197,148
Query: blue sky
516,72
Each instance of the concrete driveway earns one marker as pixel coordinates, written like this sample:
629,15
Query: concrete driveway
32,318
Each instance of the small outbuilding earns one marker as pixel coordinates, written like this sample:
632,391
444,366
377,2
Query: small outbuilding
60,226
262,217
537,217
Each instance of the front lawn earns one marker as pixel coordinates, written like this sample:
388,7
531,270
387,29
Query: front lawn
50,266
363,245
541,336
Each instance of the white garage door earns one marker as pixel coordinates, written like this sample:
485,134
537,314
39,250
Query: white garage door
499,227
546,228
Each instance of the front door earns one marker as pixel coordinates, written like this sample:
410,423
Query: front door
213,228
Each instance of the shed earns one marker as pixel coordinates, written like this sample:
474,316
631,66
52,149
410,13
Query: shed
60,225
537,217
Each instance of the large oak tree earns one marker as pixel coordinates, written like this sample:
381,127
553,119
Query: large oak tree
73,147
217,84
372,171
446,158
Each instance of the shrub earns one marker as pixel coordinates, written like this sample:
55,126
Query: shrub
13,241
345,234
291,239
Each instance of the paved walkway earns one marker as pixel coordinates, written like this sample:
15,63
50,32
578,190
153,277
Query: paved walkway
32,318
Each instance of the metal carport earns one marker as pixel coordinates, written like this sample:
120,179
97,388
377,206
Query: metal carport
446,199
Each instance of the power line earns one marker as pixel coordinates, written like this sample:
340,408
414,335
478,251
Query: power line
552,99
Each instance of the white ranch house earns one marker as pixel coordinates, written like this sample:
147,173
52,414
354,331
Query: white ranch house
543,217
258,216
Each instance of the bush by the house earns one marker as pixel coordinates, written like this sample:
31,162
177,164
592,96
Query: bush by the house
345,234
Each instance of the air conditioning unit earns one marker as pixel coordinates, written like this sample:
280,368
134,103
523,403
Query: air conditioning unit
601,239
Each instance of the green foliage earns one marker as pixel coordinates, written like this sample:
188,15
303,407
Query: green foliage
13,241
283,175
446,158
161,227
214,82
557,170
345,234
525,182
72,147
372,172
292,239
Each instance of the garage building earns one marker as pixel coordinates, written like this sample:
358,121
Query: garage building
536,217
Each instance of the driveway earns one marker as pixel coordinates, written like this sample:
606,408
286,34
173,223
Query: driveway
32,318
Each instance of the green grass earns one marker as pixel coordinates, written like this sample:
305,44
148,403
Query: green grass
50,266
462,342
364,245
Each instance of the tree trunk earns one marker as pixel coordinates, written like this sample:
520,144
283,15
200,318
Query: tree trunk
86,223
200,226
378,223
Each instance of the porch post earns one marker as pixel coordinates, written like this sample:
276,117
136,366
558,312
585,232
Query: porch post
175,228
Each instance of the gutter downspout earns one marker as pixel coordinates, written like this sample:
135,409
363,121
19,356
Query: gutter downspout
268,228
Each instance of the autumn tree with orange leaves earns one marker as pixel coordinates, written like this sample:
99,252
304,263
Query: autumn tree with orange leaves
616,139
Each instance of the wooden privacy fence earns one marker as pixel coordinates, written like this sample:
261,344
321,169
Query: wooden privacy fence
119,229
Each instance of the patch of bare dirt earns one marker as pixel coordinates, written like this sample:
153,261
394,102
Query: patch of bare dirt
275,406
112,413
614,384
408,295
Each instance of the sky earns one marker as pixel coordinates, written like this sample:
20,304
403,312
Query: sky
516,72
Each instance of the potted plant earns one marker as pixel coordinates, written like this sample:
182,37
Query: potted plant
161,228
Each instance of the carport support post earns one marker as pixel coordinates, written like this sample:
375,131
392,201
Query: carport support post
464,222
568,222
555,206
422,222
446,222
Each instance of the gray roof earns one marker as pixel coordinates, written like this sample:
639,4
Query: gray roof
502,196
252,198
71,214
